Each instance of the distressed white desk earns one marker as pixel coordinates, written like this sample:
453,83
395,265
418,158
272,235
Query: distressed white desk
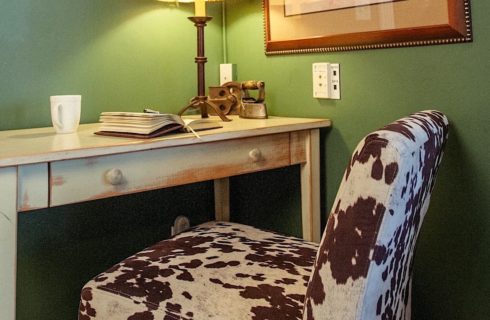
40,169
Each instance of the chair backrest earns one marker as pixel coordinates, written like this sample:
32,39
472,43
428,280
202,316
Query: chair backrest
363,267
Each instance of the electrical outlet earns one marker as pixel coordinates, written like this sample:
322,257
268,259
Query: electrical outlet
320,80
326,80
181,223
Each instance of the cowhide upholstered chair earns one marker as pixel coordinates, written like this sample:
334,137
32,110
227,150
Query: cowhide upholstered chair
362,268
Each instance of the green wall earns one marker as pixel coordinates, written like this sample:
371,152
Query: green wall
452,263
119,55
129,54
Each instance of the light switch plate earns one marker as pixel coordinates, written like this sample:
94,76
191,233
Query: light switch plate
334,81
227,73
326,80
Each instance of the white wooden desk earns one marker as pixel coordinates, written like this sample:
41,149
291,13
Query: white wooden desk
40,169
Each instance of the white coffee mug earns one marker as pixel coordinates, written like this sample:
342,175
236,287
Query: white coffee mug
65,113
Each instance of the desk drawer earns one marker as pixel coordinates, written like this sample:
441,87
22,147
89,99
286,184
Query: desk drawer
106,176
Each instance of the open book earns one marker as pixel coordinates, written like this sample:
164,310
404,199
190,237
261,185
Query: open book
150,125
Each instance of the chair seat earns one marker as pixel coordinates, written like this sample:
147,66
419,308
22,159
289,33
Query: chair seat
217,270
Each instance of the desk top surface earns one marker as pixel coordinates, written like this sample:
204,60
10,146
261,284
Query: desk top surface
38,145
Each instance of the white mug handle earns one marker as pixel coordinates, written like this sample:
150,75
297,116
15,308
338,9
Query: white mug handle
57,119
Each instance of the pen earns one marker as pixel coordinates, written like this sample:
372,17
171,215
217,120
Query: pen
148,110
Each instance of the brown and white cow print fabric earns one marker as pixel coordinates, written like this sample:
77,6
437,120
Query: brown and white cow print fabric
364,265
361,269
217,270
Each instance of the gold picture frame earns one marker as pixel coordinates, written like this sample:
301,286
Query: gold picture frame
387,24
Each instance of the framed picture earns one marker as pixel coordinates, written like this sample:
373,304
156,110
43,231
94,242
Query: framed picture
303,26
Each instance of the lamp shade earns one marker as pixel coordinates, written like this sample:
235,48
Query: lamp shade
188,1
200,5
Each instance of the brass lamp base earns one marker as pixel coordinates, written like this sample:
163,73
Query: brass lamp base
201,100
202,103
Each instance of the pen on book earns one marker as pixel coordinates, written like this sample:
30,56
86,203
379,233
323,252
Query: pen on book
148,110
193,132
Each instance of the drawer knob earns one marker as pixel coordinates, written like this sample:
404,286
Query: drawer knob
114,176
255,155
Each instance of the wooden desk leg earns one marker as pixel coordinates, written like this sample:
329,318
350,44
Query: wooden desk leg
8,242
310,188
222,199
